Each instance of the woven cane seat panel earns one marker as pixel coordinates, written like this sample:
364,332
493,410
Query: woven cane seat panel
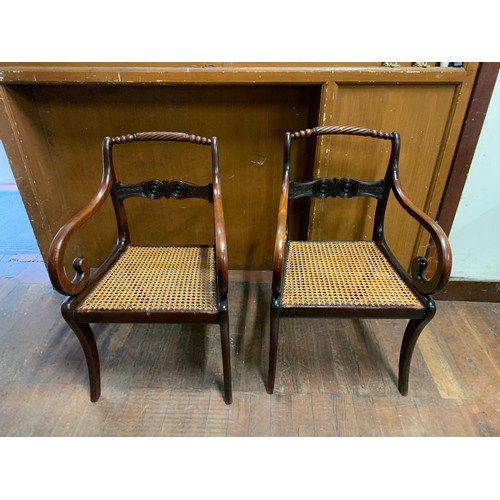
343,273
157,279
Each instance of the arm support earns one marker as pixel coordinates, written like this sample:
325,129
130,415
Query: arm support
57,273
221,261
280,243
419,264
56,270
281,232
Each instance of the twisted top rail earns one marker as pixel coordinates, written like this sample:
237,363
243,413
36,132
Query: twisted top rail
341,130
161,136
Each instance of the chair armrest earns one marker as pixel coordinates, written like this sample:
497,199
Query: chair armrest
221,261
280,243
419,264
57,273
282,228
281,235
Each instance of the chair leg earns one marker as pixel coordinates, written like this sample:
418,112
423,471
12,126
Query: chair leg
273,348
226,357
87,340
412,332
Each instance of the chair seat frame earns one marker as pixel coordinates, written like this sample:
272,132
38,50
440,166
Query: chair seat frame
416,279
84,281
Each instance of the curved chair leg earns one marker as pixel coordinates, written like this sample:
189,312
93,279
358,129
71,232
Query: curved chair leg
273,347
226,356
412,332
87,341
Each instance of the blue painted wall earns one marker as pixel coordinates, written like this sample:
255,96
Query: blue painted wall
475,235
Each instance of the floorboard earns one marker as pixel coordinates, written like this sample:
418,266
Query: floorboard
334,377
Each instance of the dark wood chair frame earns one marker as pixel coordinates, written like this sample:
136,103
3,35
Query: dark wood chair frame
347,188
83,282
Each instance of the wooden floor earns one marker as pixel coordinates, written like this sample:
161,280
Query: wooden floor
335,377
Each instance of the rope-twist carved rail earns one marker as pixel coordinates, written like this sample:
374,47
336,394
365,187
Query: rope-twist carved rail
339,130
161,136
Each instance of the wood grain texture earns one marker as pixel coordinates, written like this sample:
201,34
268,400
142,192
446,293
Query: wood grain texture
223,73
336,377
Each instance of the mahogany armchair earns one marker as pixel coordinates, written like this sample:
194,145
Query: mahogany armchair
353,278
145,284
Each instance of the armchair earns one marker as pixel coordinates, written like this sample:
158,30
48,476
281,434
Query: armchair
353,278
145,284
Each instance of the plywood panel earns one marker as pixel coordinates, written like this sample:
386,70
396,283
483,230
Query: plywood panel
422,115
